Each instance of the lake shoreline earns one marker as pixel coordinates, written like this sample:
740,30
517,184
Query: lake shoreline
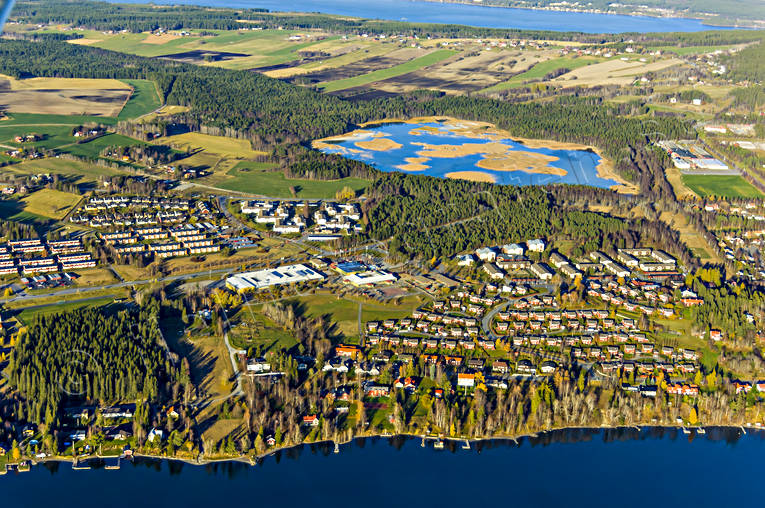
541,18
501,152
757,25
257,459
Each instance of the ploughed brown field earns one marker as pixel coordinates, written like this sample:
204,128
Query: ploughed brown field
93,102
360,67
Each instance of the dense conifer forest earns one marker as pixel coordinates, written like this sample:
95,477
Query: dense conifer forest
89,355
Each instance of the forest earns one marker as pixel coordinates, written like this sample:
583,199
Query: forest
746,65
430,217
89,355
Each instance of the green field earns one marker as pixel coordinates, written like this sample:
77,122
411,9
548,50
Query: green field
396,70
50,203
254,329
144,99
53,136
133,43
29,119
540,70
13,209
255,178
264,47
79,171
721,186
26,315
93,149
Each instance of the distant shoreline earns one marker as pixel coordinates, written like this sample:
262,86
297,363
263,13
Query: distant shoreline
756,24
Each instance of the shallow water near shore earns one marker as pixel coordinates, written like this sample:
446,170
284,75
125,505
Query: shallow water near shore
578,467
449,148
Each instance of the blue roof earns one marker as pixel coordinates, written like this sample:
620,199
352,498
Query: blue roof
351,266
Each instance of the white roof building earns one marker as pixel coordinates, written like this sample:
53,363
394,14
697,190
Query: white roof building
289,274
486,254
513,249
465,260
536,245
370,278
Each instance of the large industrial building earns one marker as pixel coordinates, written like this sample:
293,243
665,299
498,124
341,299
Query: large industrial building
289,274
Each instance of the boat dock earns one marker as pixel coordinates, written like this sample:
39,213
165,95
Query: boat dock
80,465
112,462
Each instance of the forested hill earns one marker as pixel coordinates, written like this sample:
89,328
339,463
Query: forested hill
89,355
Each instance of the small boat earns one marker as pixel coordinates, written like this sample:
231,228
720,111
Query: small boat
701,430
466,446
438,445
337,448
686,431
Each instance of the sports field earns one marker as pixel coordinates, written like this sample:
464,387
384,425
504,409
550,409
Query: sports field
721,186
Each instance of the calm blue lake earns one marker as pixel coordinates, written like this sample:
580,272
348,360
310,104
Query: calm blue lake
625,468
474,15
444,148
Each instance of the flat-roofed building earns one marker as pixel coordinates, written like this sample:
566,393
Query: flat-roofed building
289,274
370,278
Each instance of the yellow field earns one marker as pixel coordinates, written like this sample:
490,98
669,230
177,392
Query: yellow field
159,39
690,236
216,145
94,277
682,191
164,111
50,203
84,41
613,72
65,84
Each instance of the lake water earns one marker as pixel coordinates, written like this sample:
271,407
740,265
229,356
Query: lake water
587,468
474,15
473,150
